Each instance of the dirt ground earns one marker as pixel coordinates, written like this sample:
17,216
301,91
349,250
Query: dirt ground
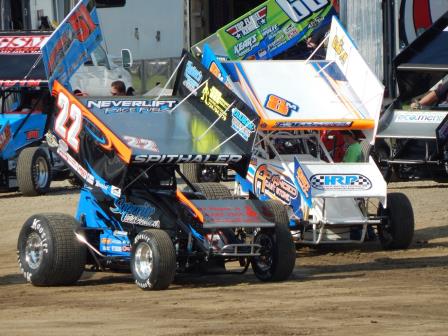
334,291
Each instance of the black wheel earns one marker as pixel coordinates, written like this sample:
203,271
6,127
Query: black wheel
397,231
213,191
278,253
153,261
380,153
33,172
49,253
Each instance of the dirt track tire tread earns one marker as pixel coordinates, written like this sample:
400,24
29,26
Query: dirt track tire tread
25,175
64,262
365,150
192,172
164,258
213,190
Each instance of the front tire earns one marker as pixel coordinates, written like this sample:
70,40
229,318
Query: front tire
153,263
397,231
33,172
49,254
278,253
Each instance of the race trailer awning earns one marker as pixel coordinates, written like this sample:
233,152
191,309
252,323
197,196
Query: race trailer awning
21,59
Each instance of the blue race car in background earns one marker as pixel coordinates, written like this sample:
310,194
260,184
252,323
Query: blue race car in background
25,111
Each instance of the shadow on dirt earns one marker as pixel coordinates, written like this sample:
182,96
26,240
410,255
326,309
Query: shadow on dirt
53,191
12,279
300,274
429,233
381,264
432,186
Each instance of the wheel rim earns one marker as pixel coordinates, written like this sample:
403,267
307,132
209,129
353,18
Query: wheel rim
34,251
41,172
264,261
143,260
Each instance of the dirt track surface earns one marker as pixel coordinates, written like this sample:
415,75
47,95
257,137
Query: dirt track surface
334,291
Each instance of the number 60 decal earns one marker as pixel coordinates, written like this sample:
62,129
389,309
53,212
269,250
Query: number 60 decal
68,111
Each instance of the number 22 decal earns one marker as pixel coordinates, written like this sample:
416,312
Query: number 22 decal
72,112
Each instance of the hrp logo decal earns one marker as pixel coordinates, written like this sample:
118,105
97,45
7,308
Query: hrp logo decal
340,182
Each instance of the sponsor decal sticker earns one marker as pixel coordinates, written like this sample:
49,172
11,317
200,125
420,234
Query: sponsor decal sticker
13,45
212,97
280,105
273,185
246,46
299,10
340,182
248,24
32,134
139,143
86,176
5,136
192,77
187,158
21,83
338,46
417,117
329,124
241,124
132,106
135,214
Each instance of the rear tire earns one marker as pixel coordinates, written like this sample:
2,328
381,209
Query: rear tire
153,263
33,172
365,150
49,254
278,253
213,190
398,230
192,172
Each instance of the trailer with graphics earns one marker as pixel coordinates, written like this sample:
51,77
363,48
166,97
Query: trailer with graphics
328,202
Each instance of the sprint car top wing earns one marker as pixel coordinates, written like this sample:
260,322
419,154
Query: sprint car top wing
21,59
291,95
205,119
340,92
100,137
